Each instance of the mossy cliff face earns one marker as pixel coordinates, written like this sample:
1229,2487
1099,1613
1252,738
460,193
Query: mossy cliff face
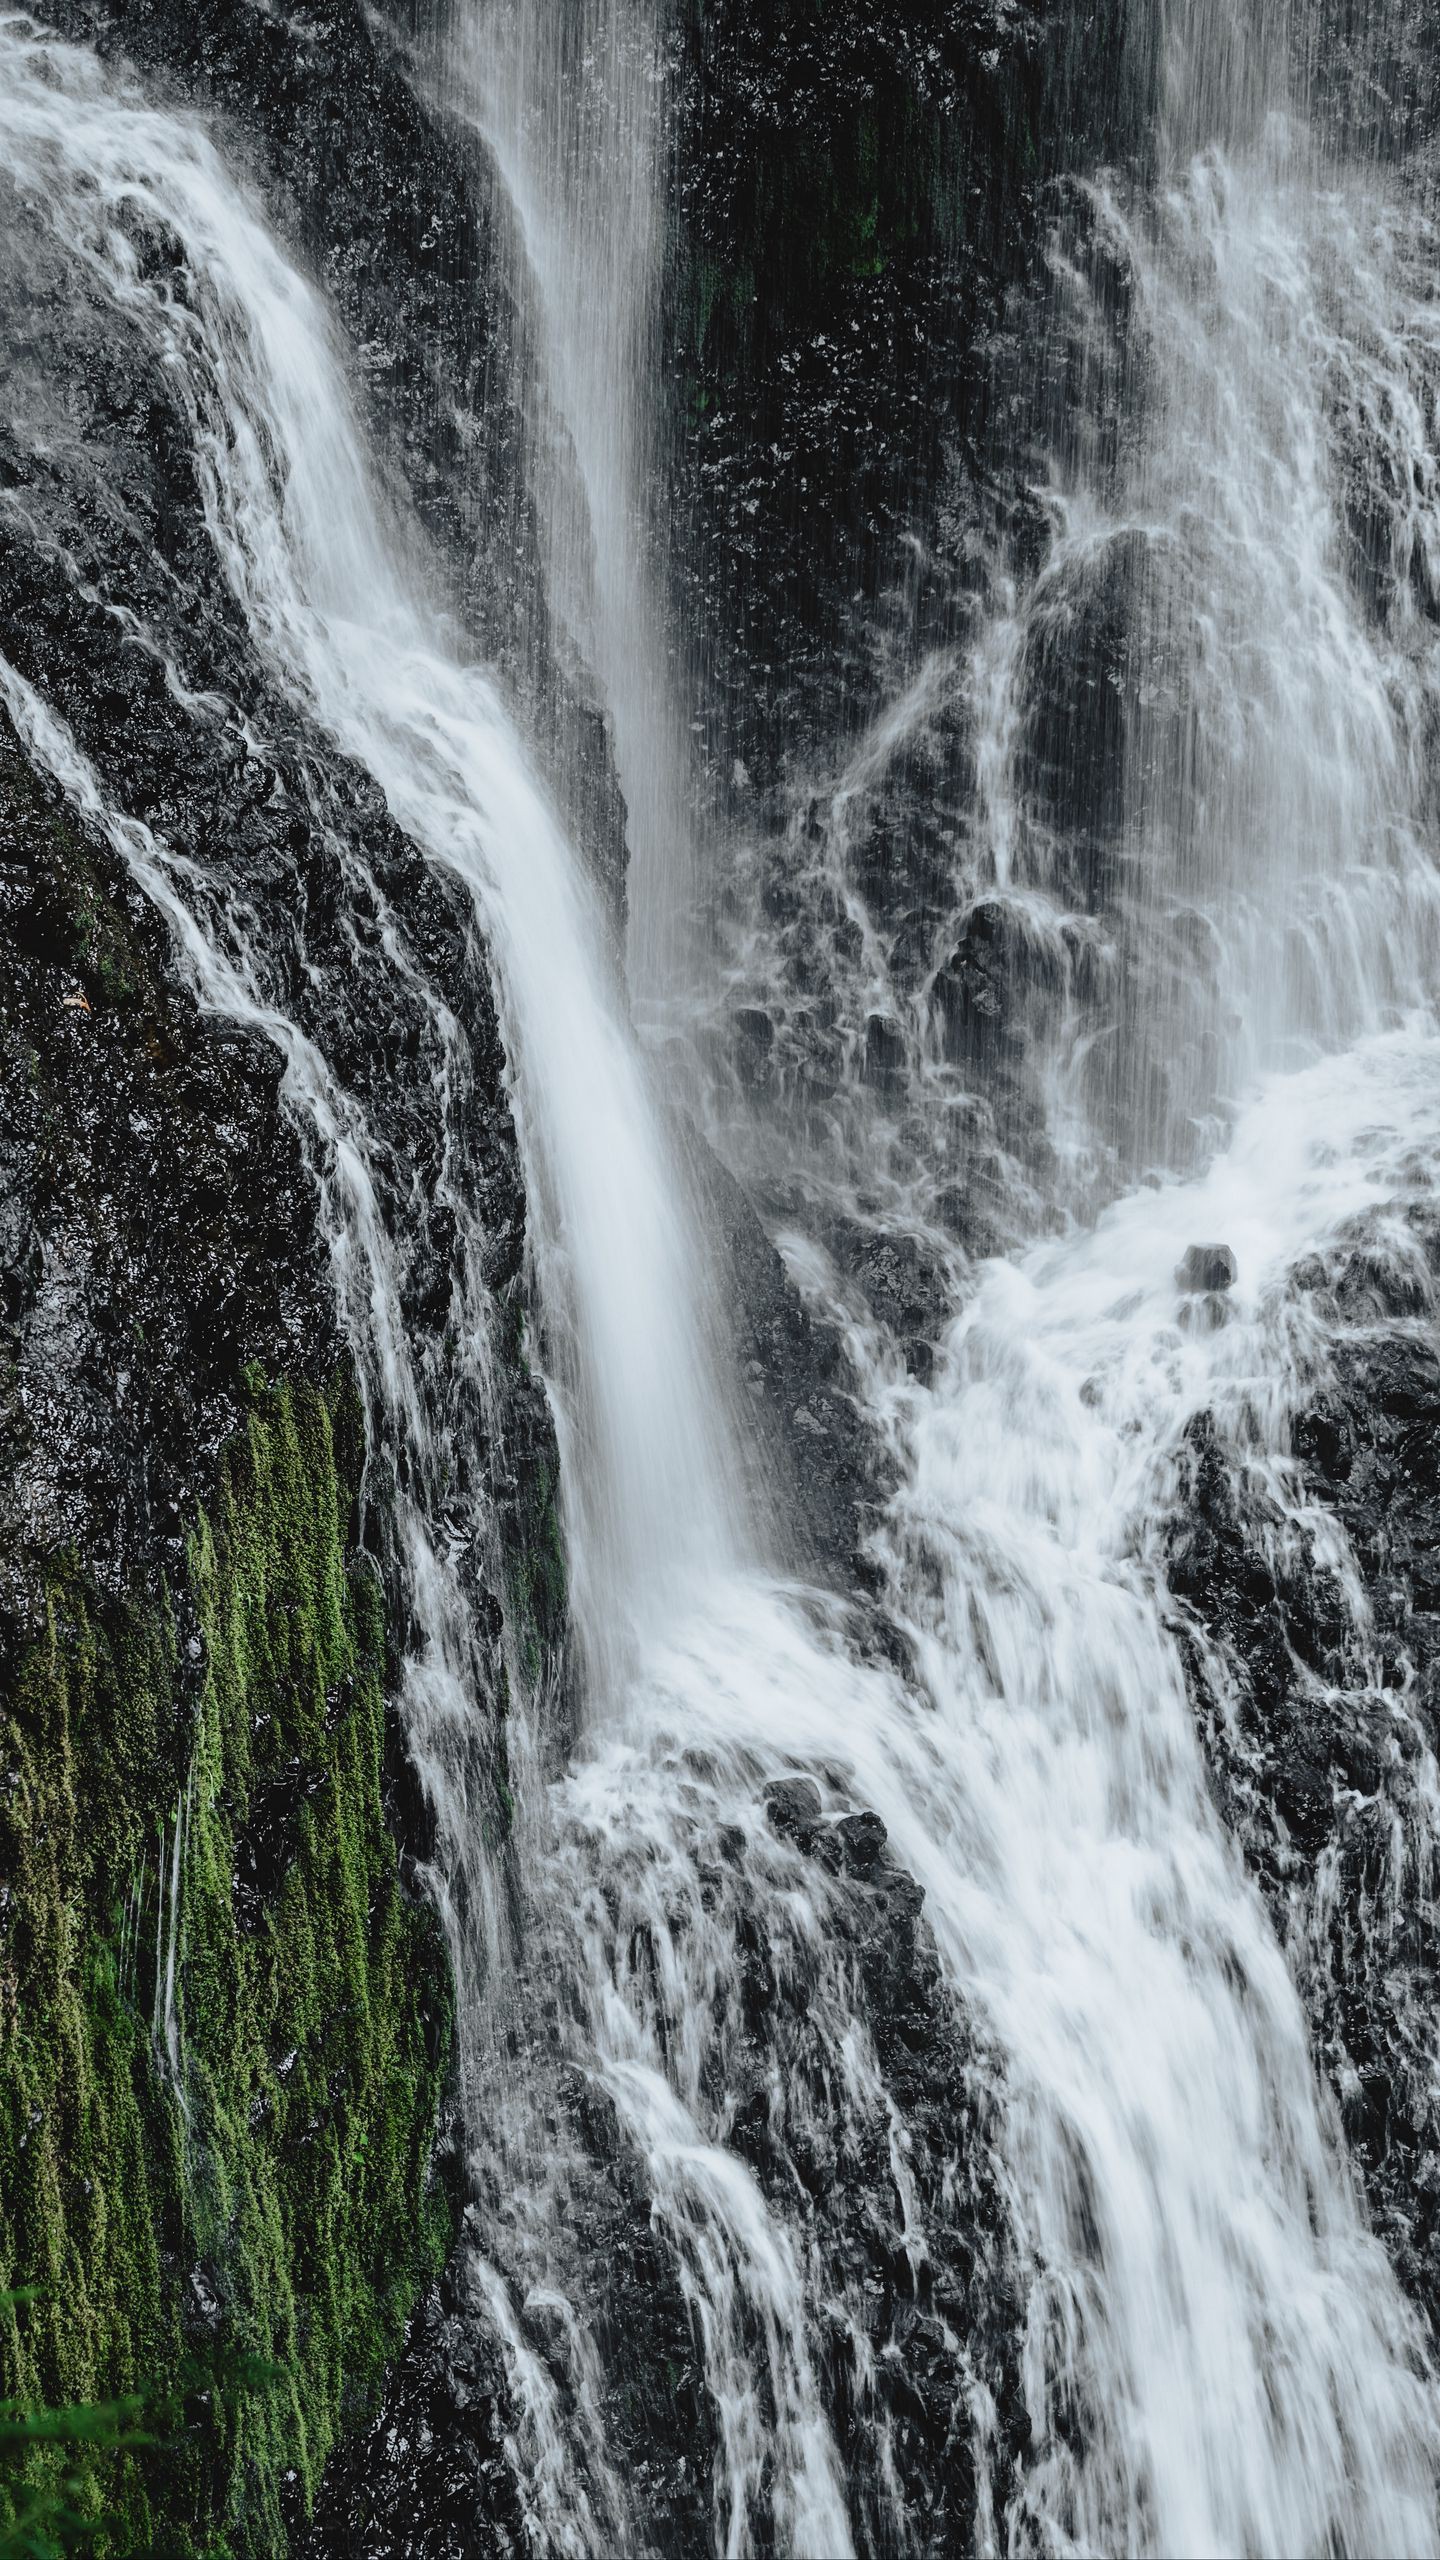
224,2014
162,1250
223,2049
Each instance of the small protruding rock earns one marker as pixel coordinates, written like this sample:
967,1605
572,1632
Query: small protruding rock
920,1360
753,1036
862,1838
884,1053
793,1808
1206,1267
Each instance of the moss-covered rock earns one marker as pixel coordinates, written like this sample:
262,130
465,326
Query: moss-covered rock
224,2023
264,2137
214,2135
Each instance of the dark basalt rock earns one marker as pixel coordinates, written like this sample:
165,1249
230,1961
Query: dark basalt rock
113,528
156,1227
832,313
753,1033
1205,1267
857,397
429,2479
819,1472
1318,1753
884,1065
862,1838
793,1806
937,2325
910,2329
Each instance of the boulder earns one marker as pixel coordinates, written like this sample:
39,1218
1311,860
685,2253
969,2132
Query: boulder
1205,1267
792,1806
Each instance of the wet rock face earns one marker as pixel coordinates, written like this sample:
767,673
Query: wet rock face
399,217
1371,78
872,357
431,2478
156,1232
1205,1268
107,539
855,188
1324,1758
817,1474
876,2159
937,2278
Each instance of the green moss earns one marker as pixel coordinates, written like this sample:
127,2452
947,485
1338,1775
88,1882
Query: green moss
243,2236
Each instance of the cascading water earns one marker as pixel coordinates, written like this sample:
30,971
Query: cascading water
1275,893
1193,832
1256,806
571,105
1216,2356
296,521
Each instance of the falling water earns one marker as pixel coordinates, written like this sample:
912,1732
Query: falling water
1216,718
1274,895
653,1517
169,1931
1180,776
571,104
1217,2358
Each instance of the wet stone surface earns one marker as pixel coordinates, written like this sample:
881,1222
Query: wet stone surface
915,2312
1205,1267
156,1235
1323,1758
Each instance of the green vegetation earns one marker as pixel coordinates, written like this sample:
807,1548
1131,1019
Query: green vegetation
44,2520
226,2207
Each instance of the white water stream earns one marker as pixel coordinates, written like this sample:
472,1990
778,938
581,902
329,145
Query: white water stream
1277,888
571,105
1218,2359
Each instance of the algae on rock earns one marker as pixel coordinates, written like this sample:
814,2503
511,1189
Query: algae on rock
222,2069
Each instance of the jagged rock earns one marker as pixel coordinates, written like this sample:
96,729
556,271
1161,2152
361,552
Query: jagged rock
1314,1749
862,1838
792,1805
825,1465
1205,1267
754,1037
884,1064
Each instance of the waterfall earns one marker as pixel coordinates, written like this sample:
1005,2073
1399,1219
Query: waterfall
1076,1876
1238,585
339,611
571,104
299,525
1216,2355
